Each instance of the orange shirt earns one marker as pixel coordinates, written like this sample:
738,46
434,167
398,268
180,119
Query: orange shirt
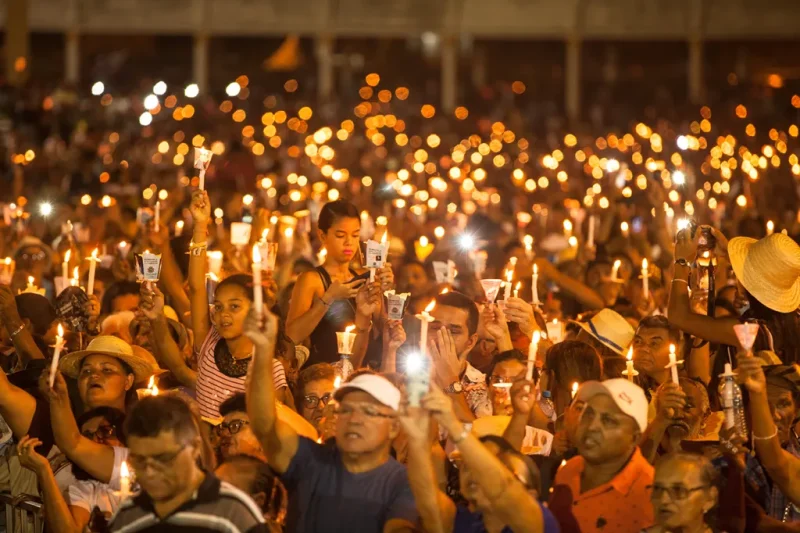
620,506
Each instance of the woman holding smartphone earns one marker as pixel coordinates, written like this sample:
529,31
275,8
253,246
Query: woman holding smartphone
336,295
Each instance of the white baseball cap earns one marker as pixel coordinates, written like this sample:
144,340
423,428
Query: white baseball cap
628,396
376,386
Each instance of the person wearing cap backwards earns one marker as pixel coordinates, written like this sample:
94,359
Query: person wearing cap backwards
605,488
350,485
768,276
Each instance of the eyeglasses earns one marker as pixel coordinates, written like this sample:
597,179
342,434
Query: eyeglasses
311,401
233,427
158,462
676,492
370,411
101,433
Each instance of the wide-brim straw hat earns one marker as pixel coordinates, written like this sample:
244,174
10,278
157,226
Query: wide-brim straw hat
769,269
611,329
140,360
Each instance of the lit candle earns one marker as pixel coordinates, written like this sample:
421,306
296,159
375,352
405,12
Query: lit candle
76,278
157,217
31,286
92,266
425,318
179,228
124,481
509,280
574,389
528,242
615,270
7,271
346,339
337,382
288,240
532,350
215,259
645,280
535,284
625,228
630,371
258,296
590,236
673,364
567,228
516,289
65,265
202,159
59,345
770,227
124,247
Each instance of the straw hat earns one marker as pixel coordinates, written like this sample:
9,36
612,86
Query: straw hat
611,329
769,269
140,360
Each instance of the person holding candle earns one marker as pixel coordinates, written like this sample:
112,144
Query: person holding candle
72,511
335,294
168,454
28,327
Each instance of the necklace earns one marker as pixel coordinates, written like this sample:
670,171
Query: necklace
227,364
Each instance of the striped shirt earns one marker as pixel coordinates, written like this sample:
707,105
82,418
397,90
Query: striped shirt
214,387
215,507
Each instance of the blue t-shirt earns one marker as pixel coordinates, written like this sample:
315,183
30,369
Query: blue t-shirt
468,522
325,498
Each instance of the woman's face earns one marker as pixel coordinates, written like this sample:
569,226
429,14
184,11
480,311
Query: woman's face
101,431
342,239
231,305
413,279
125,302
102,381
679,497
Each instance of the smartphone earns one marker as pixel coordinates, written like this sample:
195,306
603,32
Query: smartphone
364,276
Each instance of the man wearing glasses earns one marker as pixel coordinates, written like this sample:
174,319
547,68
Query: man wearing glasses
166,454
352,484
315,388
234,432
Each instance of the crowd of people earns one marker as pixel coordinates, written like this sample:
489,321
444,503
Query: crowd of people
389,320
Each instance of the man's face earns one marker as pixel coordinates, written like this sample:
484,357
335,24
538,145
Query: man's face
413,279
163,464
605,433
125,302
236,436
651,350
103,381
690,419
783,408
316,395
455,321
504,374
363,424
485,349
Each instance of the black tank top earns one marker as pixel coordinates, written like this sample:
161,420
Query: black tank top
340,314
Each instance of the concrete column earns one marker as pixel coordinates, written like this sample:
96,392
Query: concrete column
72,56
449,51
572,79
16,43
325,66
200,62
695,73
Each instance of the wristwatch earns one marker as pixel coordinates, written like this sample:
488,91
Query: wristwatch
455,388
683,262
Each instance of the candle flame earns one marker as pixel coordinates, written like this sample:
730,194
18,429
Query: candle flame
123,470
8,261
528,241
256,254
445,291
644,264
574,388
264,234
518,285
154,391
617,264
567,225
385,236
179,224
60,330
67,256
430,306
630,354
624,227
122,245
288,232
672,349
423,241
151,383
509,275
213,277
513,261
94,254
535,268
30,280
75,273
537,336
337,382
350,328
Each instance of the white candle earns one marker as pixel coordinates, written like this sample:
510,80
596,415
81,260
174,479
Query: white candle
567,228
157,217
770,227
345,339
124,481
337,382
258,296
76,278
645,279
56,354
673,364
630,371
590,236
179,228
425,318
574,389
65,266
516,289
507,289
123,249
615,270
528,242
532,350
535,284
92,266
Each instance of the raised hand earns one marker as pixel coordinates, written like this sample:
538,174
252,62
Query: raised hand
522,397
415,421
29,457
670,401
261,329
385,276
750,372
394,334
151,301
441,407
200,208
369,299
519,311
446,362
